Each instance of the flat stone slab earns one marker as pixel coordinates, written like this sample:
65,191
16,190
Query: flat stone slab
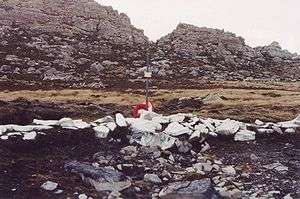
198,189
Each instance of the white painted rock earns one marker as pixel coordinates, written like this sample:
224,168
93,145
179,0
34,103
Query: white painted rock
208,124
258,122
111,125
46,122
66,123
79,124
49,185
161,119
148,115
161,140
289,124
266,131
3,129
179,117
277,129
244,135
29,135
14,133
228,127
201,128
82,196
176,129
290,130
28,128
105,119
4,137
101,131
196,134
140,125
120,120
131,120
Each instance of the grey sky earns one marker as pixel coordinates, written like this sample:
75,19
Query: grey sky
259,21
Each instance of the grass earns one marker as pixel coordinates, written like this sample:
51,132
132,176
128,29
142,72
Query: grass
280,102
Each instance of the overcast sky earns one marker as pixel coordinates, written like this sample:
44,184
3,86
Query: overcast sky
259,21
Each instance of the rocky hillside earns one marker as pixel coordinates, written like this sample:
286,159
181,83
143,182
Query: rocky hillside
215,54
75,42
81,44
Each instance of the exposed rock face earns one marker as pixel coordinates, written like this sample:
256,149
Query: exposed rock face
215,54
79,43
66,41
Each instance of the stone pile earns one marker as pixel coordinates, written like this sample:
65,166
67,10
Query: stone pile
181,130
151,129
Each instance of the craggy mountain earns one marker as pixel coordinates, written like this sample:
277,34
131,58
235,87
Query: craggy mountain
81,44
75,42
217,55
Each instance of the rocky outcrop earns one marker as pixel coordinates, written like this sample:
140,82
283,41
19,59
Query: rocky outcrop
81,44
190,51
66,41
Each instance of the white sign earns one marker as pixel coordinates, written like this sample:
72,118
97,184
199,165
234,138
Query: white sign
147,74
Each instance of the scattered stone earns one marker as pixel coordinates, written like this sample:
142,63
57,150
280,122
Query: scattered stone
198,189
49,186
152,178
128,150
229,170
277,166
82,196
59,191
205,147
102,178
183,146
288,196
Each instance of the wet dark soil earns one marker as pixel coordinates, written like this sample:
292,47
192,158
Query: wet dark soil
22,111
252,156
26,165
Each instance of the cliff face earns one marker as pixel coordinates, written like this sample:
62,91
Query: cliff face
79,43
215,54
76,42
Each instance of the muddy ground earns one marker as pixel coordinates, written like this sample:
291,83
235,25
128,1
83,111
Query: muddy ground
26,165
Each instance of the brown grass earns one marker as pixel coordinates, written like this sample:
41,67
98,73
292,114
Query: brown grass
275,103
